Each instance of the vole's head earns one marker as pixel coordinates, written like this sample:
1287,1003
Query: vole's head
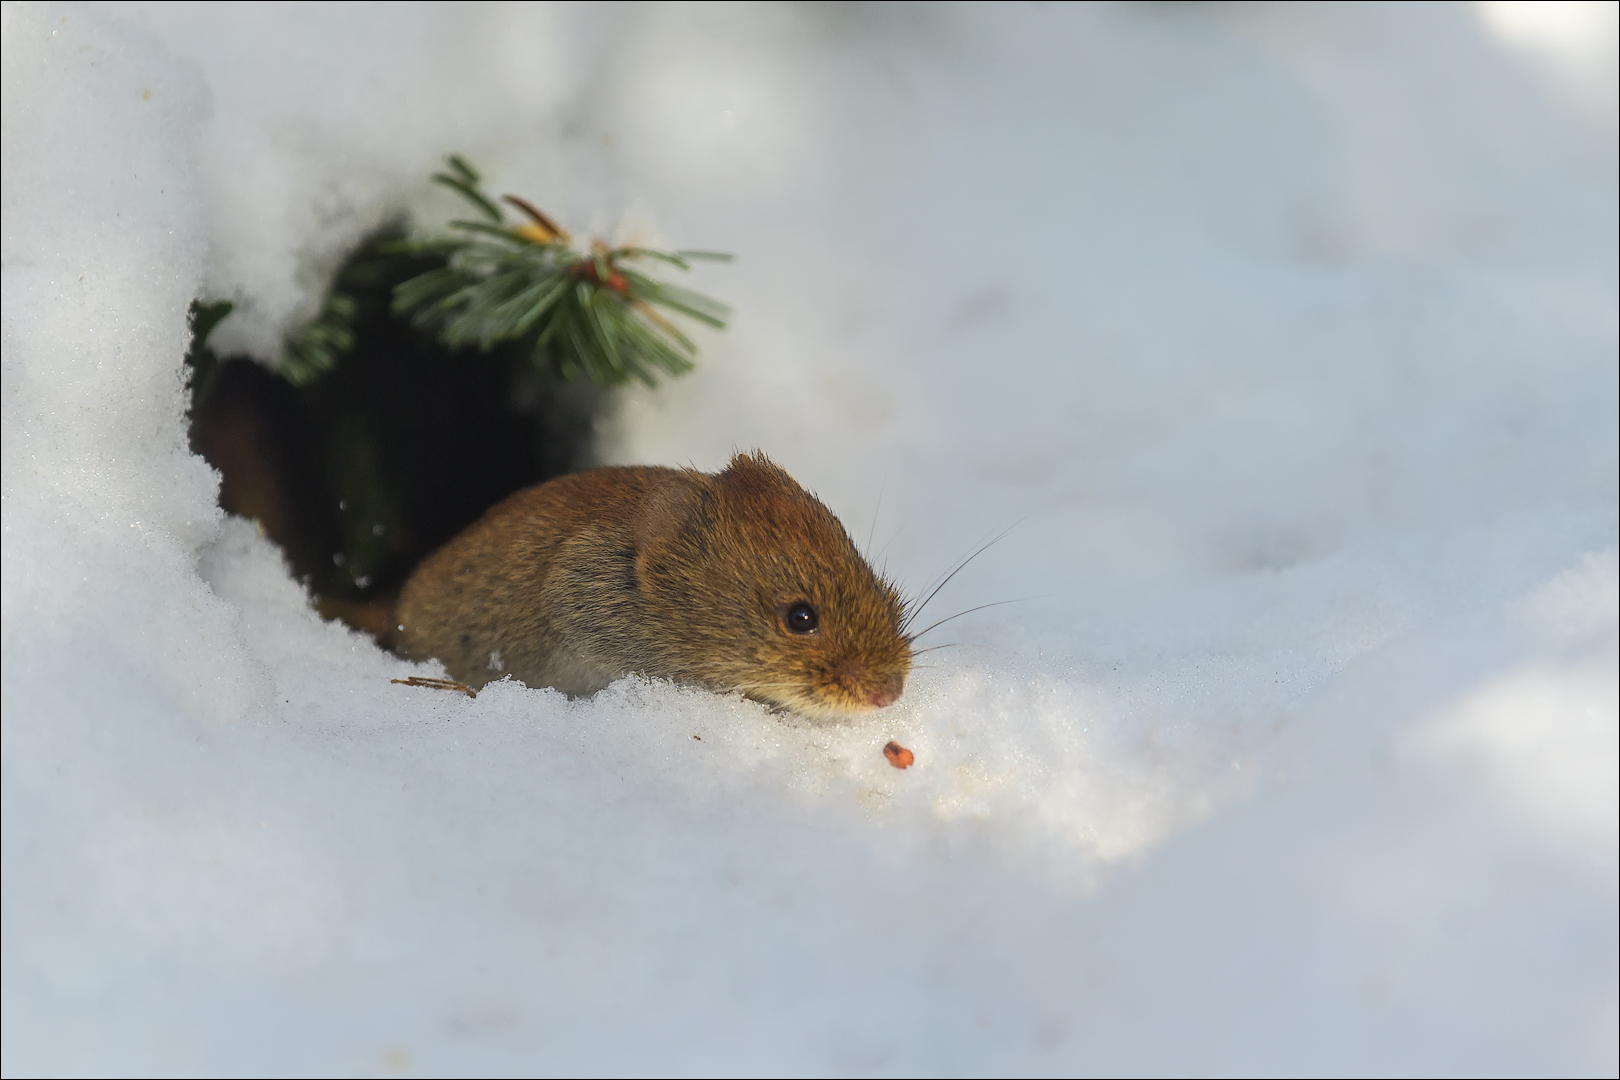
770,594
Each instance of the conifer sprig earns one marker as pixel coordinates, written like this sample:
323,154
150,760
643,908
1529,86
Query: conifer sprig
590,313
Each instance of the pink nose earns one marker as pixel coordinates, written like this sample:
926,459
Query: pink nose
888,693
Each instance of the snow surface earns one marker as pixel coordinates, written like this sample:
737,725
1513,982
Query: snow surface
1284,337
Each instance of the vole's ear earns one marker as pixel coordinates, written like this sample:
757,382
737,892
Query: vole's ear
754,474
755,489
673,507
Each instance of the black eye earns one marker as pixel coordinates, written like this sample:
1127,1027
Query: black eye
801,619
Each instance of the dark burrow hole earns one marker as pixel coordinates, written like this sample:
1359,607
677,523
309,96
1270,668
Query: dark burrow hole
360,471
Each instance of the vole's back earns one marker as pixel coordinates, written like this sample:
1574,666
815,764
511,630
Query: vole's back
475,604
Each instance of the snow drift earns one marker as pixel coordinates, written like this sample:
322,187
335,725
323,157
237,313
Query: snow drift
1286,337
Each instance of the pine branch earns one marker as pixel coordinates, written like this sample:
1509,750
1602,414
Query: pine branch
316,347
573,313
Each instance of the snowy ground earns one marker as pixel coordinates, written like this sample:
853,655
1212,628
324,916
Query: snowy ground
1286,336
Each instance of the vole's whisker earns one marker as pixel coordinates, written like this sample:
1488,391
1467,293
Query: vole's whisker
969,611
914,603
912,613
890,540
872,532
951,645
914,607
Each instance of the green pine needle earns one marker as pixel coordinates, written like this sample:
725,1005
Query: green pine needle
315,348
468,189
573,313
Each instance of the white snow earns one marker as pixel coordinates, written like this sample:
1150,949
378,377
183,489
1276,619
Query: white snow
1283,338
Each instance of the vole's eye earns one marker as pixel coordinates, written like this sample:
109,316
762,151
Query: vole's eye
801,618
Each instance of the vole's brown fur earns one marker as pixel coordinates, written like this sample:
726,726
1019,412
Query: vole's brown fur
671,573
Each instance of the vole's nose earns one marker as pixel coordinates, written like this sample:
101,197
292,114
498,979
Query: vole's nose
888,691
